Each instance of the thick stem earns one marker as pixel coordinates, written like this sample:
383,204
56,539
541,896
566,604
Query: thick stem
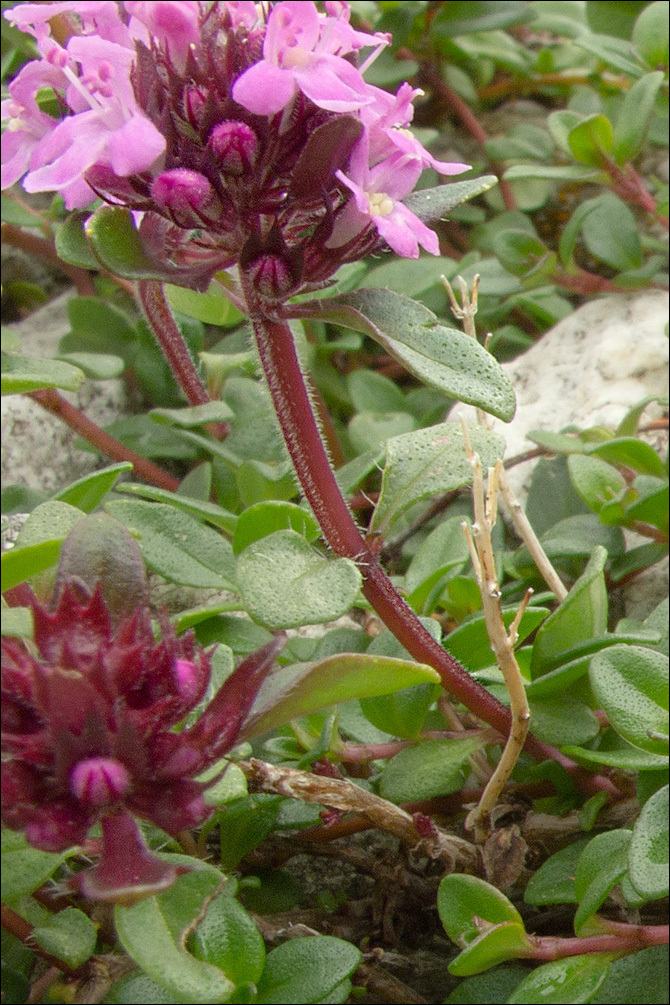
630,939
170,340
53,402
291,400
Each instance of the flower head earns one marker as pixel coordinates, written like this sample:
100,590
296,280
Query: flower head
88,734
225,125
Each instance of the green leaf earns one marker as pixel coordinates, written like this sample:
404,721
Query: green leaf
284,582
492,988
433,205
99,327
554,881
581,616
17,621
610,233
562,720
569,981
632,124
96,365
38,545
70,935
306,970
441,357
370,430
29,373
196,415
470,644
244,823
624,756
228,939
650,34
629,452
601,865
522,253
630,683
212,307
506,941
372,392
117,245
571,231
431,768
22,563
72,245
152,931
201,508
88,492
629,424
177,546
257,481
462,899
641,979
24,868
293,691
412,277
594,480
614,52
591,140
574,537
265,518
648,852
426,462
444,550
652,503
554,172
137,987
462,18
401,713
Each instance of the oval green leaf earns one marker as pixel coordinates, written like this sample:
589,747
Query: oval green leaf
648,852
427,462
631,685
431,768
296,690
570,981
601,865
284,582
461,899
306,970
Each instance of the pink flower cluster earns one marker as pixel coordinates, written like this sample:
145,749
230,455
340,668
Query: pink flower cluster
200,112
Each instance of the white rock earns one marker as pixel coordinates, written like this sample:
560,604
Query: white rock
588,370
37,448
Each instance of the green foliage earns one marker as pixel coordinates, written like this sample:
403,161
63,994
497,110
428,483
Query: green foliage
572,102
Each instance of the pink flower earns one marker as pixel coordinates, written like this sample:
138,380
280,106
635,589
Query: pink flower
26,123
97,17
297,56
174,23
107,127
377,193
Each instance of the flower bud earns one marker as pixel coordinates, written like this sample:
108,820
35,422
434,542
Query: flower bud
271,277
188,680
99,781
182,190
236,146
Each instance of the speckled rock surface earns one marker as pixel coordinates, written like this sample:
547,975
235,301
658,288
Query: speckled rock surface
38,449
588,370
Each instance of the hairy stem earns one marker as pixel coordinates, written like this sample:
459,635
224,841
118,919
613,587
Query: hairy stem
171,341
55,403
301,434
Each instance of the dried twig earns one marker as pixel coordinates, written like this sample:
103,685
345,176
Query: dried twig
502,641
344,795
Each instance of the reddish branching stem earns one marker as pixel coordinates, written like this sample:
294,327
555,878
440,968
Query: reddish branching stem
433,79
166,331
55,403
42,248
301,434
23,930
627,939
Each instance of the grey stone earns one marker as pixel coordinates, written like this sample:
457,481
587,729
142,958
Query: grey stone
38,450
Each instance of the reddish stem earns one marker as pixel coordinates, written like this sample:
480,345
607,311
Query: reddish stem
170,339
41,248
23,930
628,939
53,402
301,434
471,123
